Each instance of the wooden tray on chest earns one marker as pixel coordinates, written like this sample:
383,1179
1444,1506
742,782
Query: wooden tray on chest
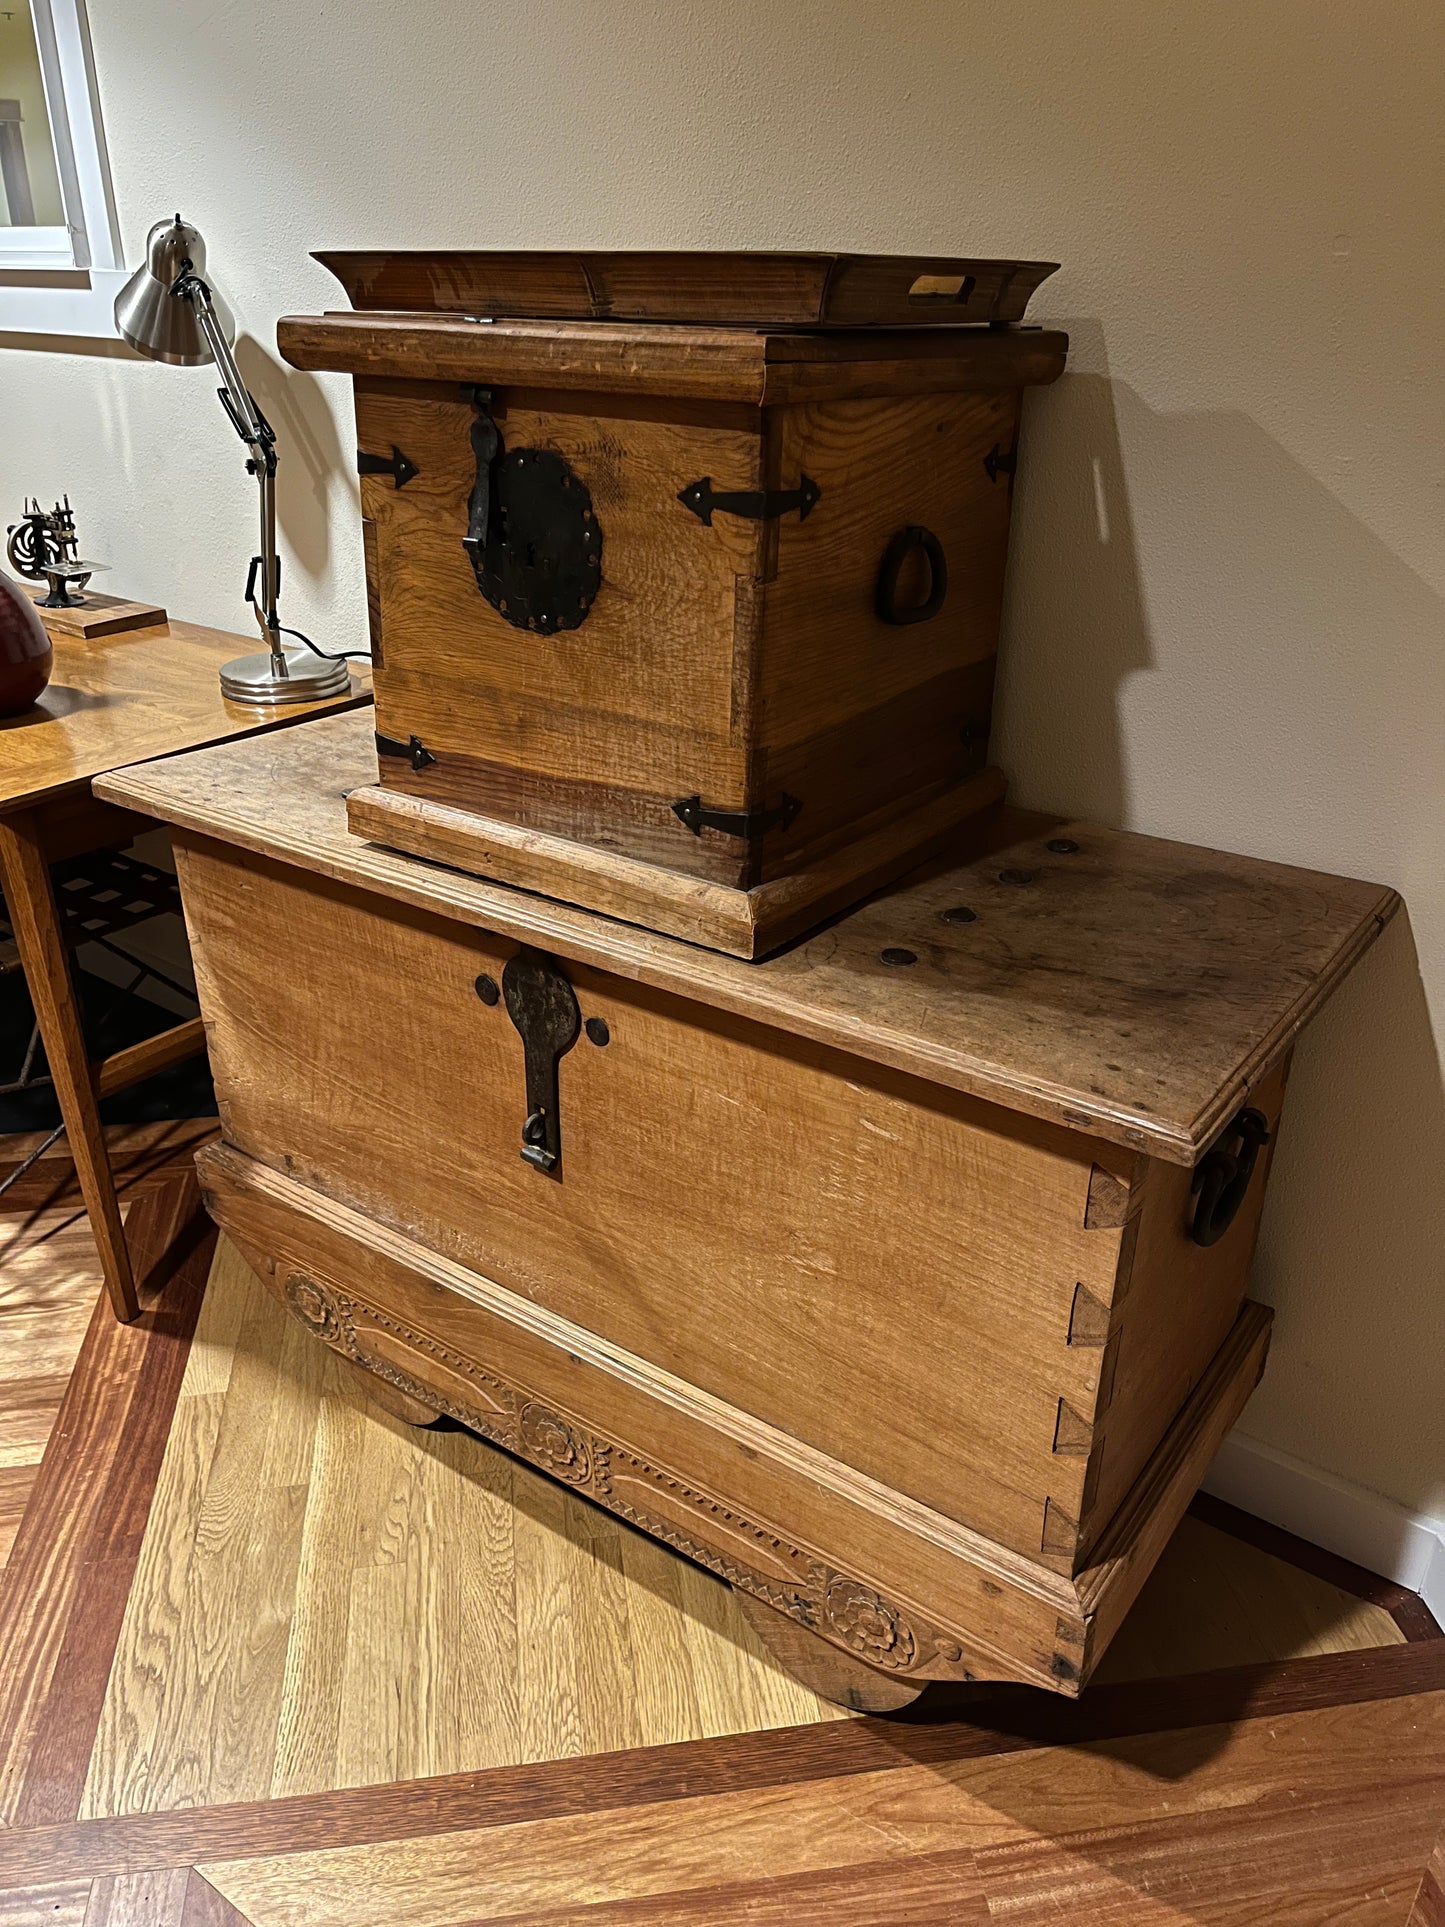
751,290
687,622
900,1278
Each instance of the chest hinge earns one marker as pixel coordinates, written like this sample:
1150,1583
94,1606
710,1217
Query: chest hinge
747,824
413,749
395,465
758,505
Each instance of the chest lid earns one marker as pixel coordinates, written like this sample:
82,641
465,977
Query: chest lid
1117,984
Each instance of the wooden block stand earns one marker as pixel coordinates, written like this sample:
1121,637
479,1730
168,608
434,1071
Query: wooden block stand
899,1280
97,614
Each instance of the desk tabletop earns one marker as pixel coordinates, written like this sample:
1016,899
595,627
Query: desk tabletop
1129,987
125,698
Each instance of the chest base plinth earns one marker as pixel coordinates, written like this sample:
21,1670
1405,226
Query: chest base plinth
742,922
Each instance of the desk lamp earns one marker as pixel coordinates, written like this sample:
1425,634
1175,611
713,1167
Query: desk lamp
168,312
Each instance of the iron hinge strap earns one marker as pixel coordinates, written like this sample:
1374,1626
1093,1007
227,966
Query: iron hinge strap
396,465
1000,461
744,823
758,505
413,749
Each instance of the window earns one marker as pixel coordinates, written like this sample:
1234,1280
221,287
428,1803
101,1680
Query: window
59,260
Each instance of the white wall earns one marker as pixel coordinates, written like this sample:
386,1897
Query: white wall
1224,621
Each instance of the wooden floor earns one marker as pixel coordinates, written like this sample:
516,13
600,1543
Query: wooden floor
268,1656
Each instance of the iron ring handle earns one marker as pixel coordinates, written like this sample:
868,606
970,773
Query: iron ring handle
900,547
1224,1174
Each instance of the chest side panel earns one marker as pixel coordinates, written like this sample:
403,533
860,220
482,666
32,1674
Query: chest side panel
857,713
881,465
584,730
1174,1302
846,1253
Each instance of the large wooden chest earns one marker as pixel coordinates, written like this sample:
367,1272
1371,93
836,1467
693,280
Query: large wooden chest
900,1279
691,620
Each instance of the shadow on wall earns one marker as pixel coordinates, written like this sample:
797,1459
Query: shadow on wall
1074,625
1279,666
1203,641
1352,1249
310,450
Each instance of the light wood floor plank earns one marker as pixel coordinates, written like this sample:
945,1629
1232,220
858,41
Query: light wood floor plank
308,1731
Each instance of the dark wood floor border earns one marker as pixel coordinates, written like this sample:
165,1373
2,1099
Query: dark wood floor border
1243,1849
70,1570
1406,1608
1009,1721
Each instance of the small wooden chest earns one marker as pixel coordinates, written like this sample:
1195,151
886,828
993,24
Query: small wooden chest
899,1279
684,602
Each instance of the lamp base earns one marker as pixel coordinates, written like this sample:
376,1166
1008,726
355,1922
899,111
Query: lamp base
308,679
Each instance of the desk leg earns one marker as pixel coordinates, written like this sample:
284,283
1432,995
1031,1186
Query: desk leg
35,919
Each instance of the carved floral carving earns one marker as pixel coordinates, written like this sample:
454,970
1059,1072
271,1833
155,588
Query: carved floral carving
320,1309
554,1445
867,1624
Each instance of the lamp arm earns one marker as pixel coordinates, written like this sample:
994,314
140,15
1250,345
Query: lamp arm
255,431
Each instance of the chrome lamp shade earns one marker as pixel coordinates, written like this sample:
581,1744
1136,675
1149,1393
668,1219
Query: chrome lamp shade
147,313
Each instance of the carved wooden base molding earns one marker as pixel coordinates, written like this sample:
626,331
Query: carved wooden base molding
898,1588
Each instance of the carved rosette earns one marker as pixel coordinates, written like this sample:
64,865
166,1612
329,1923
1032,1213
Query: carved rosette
554,1445
320,1310
865,1622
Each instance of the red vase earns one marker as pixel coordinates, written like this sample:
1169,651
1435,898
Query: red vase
26,657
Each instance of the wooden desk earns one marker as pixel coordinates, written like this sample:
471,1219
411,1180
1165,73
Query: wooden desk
112,700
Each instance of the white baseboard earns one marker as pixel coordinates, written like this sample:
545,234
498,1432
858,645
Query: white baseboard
1360,1525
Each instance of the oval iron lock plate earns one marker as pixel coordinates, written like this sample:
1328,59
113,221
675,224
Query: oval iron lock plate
540,564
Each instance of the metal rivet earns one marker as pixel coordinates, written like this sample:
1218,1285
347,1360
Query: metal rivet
487,989
1062,846
596,1028
1016,876
895,956
960,913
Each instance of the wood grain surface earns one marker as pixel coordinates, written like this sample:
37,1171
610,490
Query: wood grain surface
1049,1003
690,362
119,699
1016,1816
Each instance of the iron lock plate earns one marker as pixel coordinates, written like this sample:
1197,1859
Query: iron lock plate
533,538
543,1008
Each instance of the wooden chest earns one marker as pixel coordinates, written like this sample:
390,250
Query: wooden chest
899,1279
688,613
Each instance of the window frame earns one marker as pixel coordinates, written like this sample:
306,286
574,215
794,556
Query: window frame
64,280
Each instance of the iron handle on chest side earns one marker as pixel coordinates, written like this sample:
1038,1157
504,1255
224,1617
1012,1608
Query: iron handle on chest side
1224,1175
910,541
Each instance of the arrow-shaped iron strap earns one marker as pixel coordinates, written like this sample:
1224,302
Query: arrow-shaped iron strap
396,465
745,823
413,749
758,505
